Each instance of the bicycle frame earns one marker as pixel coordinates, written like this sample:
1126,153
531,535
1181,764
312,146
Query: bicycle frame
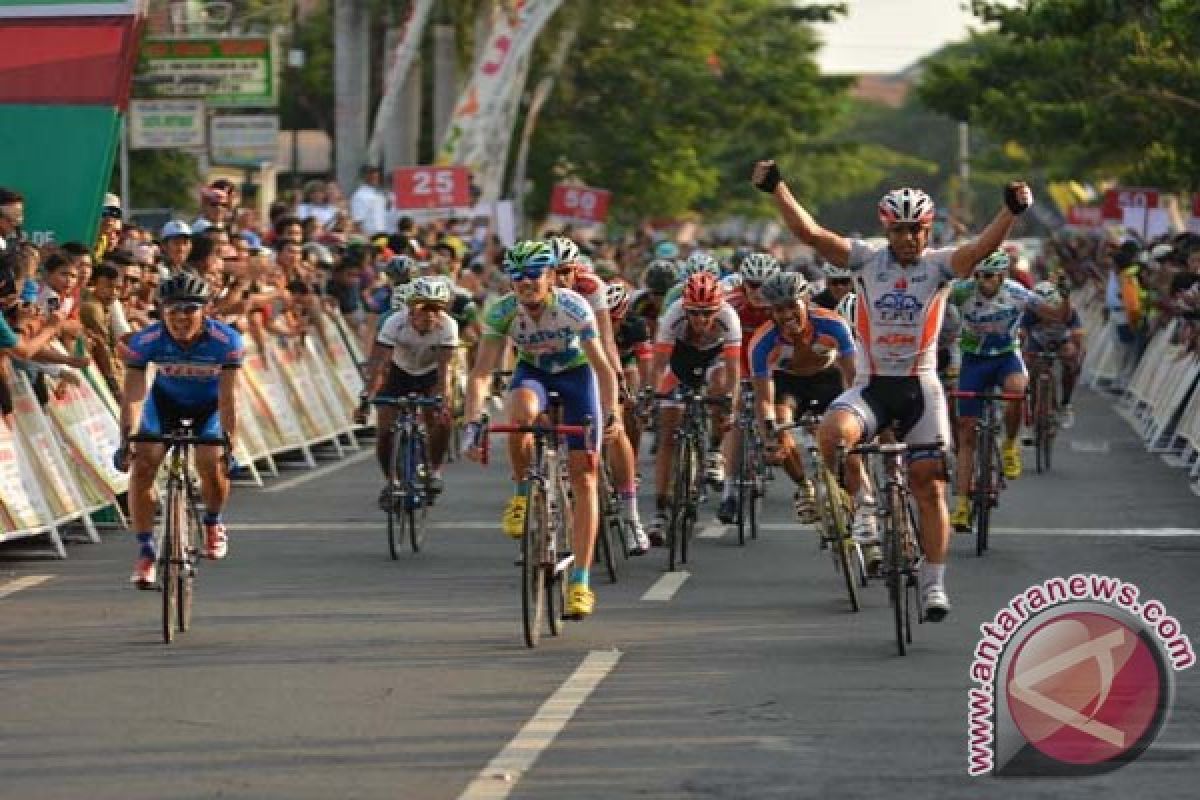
688,490
988,470
1043,403
408,481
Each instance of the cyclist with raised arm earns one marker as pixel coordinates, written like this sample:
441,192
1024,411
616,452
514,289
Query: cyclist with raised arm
1055,336
558,350
801,360
990,306
417,343
902,288
196,360
746,300
698,343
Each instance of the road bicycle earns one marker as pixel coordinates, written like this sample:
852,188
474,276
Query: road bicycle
901,546
183,531
751,476
409,487
545,555
987,473
834,510
1043,407
612,537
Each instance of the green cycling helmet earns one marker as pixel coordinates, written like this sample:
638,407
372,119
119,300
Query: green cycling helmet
997,262
529,256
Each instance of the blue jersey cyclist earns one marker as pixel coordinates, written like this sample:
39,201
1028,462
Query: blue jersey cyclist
990,306
801,360
1056,336
558,350
196,361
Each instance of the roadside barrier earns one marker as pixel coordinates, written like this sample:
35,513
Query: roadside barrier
56,462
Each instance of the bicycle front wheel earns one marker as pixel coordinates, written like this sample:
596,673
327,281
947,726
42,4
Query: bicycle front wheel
897,520
169,561
982,503
397,519
837,516
681,495
533,580
418,493
609,527
745,491
190,531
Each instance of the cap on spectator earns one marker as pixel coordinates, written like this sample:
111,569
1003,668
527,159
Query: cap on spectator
214,196
252,241
1161,251
174,229
380,240
111,207
453,244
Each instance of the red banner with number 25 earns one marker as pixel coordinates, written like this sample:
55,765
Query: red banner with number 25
432,187
579,202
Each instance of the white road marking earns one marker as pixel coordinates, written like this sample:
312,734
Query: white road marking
234,526
1085,446
27,582
320,472
665,587
501,775
1110,532
713,531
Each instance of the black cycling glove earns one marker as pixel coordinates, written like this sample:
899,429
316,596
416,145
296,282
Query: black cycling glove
1016,199
769,181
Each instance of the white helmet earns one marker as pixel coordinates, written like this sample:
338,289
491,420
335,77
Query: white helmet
700,261
847,309
1048,292
784,289
400,295
430,289
616,297
565,250
834,273
905,205
757,267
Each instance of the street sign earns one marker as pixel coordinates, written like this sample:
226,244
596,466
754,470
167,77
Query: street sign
432,187
580,203
1116,201
1085,216
224,71
167,124
245,140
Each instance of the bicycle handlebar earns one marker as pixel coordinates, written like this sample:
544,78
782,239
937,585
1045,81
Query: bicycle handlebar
538,430
178,438
411,400
959,393
898,447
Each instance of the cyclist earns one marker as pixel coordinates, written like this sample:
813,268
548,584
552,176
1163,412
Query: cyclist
698,343
632,334
648,302
197,359
991,306
902,287
417,342
803,357
838,284
698,261
746,300
1066,338
558,350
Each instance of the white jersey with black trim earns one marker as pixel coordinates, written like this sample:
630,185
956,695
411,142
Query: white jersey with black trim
899,308
412,351
673,327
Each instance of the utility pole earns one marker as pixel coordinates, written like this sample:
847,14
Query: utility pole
964,172
445,74
350,42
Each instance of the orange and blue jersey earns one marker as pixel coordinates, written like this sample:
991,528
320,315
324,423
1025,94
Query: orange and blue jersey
189,376
826,338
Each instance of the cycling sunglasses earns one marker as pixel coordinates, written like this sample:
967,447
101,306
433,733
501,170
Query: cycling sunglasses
915,228
431,308
184,308
700,312
527,274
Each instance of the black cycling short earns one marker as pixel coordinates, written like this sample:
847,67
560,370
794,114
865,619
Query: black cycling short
801,391
401,384
690,364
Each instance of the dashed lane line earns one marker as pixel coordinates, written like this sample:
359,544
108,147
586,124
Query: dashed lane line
501,775
713,531
19,584
320,472
665,587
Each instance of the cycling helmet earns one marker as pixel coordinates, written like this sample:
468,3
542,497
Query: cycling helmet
702,290
531,255
616,296
183,287
758,267
847,309
997,262
661,275
1048,292
905,205
666,250
429,290
400,295
400,269
833,273
701,261
784,289
565,251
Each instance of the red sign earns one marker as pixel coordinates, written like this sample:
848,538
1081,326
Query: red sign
1085,216
580,202
432,187
1117,200
1196,204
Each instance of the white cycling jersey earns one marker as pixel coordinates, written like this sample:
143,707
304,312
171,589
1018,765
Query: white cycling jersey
899,308
673,327
412,351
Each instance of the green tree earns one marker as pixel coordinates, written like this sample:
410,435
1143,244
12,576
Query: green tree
1089,88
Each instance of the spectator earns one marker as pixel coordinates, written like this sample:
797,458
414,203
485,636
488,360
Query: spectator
109,237
368,204
97,318
316,204
289,229
176,239
214,209
12,217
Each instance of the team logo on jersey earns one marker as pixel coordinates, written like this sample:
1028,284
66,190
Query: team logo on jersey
896,339
898,306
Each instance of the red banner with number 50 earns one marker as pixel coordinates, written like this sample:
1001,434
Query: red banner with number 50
579,202
432,187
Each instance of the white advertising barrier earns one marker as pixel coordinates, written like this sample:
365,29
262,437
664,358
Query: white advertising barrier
23,509
91,434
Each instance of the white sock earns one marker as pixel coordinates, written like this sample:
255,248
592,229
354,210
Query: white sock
931,575
629,506
730,490
864,498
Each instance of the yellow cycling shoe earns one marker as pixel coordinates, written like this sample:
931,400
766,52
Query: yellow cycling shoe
512,521
960,519
1012,461
581,601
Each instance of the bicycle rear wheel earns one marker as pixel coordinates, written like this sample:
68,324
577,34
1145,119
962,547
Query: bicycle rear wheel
169,560
982,502
554,568
418,494
533,573
397,518
745,490
1051,425
609,527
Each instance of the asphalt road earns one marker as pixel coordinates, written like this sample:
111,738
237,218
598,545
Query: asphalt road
319,668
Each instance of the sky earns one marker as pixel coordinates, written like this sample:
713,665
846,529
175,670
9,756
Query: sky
889,35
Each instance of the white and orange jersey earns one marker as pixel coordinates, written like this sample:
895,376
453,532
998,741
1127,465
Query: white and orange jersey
673,327
592,289
899,307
